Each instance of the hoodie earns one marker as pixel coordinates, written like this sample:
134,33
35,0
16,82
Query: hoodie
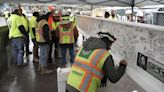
110,71
94,43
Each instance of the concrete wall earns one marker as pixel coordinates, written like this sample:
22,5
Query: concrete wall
5,52
142,45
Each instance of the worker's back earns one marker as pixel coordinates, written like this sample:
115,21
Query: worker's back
15,22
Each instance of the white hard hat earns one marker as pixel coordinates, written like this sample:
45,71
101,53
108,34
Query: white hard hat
108,35
139,14
128,12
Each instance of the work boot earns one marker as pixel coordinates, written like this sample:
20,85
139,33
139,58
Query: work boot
39,68
44,70
35,59
28,53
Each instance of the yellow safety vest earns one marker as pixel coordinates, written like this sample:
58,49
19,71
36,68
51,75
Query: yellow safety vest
115,17
25,22
15,22
55,25
39,31
86,73
66,35
33,24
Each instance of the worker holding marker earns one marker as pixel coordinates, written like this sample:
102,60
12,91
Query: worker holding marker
94,64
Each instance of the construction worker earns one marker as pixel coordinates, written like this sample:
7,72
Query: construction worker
43,38
6,14
106,15
33,27
55,24
67,33
52,26
16,34
113,15
93,65
25,22
140,17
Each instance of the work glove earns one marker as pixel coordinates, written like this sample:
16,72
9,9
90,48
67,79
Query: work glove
103,82
123,62
34,40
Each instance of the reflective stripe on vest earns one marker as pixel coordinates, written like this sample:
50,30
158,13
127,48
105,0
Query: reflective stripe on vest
66,35
55,25
88,67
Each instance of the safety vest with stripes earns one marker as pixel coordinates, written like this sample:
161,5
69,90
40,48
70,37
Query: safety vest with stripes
39,31
66,35
86,73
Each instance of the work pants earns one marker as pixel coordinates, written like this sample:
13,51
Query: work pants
64,48
44,50
18,50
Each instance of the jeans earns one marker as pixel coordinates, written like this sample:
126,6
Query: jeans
44,51
71,52
18,50
35,49
27,40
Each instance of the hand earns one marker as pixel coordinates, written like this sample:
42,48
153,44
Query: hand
123,62
103,82
99,33
34,40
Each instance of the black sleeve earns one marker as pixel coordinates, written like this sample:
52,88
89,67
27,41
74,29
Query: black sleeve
33,30
22,30
46,33
111,72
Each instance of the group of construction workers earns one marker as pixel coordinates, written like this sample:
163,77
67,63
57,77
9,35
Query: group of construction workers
93,63
111,16
45,29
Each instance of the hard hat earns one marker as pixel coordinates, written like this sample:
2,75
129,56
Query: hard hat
108,35
128,12
44,10
139,14
51,8
65,22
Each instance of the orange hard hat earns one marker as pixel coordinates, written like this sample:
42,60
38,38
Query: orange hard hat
51,8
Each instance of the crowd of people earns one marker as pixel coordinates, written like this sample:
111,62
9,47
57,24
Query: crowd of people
45,28
93,63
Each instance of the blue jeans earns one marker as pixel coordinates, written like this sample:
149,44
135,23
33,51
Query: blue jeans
18,50
44,51
71,53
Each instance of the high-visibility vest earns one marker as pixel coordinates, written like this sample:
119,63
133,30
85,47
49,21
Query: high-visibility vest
86,73
115,17
55,25
73,19
25,22
33,24
52,25
15,22
39,31
66,36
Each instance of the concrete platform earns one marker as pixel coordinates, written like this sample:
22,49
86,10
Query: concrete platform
27,79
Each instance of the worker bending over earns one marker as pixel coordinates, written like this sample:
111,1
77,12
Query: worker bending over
93,64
